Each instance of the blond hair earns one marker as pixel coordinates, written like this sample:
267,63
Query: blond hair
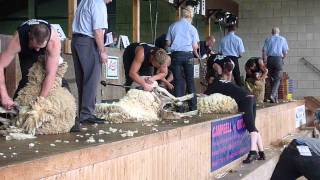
188,12
275,30
160,56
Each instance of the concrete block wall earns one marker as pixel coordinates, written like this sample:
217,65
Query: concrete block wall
299,22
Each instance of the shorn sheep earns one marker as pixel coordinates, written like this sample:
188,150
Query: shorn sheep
138,105
45,115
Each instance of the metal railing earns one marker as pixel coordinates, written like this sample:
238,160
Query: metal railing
309,64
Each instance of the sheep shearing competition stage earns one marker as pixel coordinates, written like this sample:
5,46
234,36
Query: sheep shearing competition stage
175,149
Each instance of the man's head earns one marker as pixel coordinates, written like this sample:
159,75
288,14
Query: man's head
188,12
108,1
159,58
228,65
275,30
39,35
251,63
210,41
231,28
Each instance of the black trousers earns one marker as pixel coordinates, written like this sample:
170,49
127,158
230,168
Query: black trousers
183,75
246,103
292,165
87,68
275,66
236,70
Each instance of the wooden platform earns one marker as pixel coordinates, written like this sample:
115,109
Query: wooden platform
179,150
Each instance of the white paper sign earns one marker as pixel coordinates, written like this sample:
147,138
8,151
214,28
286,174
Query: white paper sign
60,31
112,68
300,115
304,150
203,7
196,71
124,40
171,1
109,39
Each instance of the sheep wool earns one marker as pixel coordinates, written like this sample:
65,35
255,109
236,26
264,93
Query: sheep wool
135,106
217,103
50,115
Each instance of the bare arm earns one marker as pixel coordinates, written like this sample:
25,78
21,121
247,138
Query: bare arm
264,56
135,67
263,69
99,37
195,48
52,61
5,59
163,71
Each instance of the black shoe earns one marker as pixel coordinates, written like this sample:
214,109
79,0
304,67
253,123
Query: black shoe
93,120
262,156
76,127
273,100
253,155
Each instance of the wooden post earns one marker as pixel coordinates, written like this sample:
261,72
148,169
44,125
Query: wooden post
31,9
208,29
178,13
136,20
72,6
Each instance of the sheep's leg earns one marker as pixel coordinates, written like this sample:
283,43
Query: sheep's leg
184,98
190,113
163,92
4,121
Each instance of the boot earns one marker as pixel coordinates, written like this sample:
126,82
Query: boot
253,155
262,156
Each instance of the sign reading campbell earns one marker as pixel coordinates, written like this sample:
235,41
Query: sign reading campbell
229,141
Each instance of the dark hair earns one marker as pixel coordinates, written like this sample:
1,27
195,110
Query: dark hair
39,33
231,28
251,62
228,66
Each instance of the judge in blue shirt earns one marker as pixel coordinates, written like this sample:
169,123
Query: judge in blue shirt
183,38
232,46
274,50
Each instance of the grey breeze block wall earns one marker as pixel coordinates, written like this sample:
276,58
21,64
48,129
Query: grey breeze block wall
299,22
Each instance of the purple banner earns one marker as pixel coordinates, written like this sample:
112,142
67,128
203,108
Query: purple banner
229,141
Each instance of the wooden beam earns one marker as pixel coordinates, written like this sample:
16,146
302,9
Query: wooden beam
31,9
72,6
178,13
208,28
136,20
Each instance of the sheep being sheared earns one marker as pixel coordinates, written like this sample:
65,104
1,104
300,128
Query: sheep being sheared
217,103
138,105
45,115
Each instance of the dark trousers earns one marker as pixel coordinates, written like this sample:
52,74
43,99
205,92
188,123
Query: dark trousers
87,69
292,165
248,106
183,75
246,103
275,66
236,70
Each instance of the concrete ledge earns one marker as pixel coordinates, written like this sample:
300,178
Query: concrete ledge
261,170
